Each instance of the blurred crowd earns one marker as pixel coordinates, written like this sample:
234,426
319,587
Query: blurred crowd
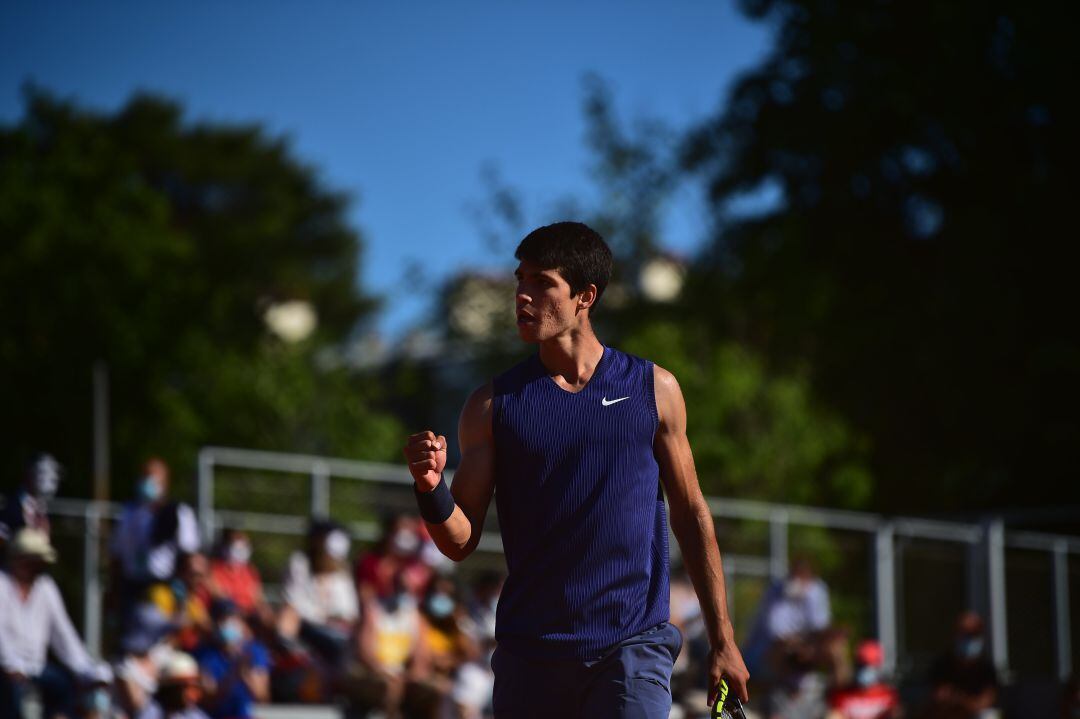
387,632
391,631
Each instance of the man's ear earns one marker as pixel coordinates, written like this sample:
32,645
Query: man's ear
587,298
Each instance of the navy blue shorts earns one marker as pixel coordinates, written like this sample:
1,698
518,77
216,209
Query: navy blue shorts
631,681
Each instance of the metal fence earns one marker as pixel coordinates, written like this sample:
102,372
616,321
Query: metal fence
915,573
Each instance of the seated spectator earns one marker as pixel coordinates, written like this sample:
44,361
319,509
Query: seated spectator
233,576
33,621
180,690
965,675
392,661
321,606
146,648
454,684
235,667
27,505
869,696
784,649
149,538
186,600
396,554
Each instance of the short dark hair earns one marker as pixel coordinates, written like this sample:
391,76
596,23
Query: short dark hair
575,250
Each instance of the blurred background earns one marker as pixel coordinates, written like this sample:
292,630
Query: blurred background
264,242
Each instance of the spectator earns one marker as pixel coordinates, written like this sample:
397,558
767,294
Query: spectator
456,683
321,605
392,660
180,692
965,676
186,600
235,668
396,554
869,696
147,646
33,620
233,576
27,505
151,534
785,645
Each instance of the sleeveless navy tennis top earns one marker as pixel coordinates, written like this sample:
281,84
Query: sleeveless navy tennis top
580,509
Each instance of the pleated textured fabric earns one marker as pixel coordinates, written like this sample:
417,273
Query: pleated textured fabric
581,510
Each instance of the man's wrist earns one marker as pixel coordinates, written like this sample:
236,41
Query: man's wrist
436,504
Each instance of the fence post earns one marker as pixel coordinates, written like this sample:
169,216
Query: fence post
778,544
1061,610
320,490
885,594
995,563
92,578
206,495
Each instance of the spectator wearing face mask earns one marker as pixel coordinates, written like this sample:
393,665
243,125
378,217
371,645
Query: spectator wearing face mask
27,506
868,696
235,667
33,622
396,555
965,675
321,605
392,661
234,577
151,534
785,651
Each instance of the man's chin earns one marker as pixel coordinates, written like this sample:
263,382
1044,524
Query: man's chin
527,333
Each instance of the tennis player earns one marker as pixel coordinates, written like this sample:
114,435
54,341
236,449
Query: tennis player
579,444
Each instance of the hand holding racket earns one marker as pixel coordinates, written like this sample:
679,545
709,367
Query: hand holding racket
726,706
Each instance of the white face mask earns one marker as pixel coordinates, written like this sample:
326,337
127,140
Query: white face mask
239,552
337,544
46,477
405,542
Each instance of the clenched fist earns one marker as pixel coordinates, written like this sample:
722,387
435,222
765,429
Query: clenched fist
426,455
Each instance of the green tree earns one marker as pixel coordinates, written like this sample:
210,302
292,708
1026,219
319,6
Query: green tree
916,260
156,246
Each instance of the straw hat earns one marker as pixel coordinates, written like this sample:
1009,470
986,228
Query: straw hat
30,542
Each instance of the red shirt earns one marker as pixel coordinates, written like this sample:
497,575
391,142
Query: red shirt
873,702
238,582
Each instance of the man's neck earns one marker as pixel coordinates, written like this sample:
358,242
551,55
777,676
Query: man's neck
571,359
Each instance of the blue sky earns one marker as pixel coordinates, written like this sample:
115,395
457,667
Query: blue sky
400,104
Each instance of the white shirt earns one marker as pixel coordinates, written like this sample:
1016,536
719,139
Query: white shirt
29,628
793,613
319,598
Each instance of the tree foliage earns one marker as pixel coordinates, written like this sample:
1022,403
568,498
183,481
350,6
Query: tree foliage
155,246
917,261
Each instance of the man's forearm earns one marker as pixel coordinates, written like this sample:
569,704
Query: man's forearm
453,537
701,556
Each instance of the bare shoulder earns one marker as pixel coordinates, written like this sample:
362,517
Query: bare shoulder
476,414
669,399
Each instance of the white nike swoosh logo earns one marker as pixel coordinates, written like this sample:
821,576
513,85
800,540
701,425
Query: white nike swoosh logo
605,401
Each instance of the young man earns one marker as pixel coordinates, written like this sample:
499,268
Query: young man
575,443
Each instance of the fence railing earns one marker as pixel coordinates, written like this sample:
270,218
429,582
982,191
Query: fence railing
985,544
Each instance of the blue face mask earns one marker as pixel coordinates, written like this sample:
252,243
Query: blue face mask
969,647
440,606
866,676
99,701
149,489
230,633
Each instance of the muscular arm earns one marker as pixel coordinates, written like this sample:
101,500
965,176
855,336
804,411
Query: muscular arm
692,525
474,480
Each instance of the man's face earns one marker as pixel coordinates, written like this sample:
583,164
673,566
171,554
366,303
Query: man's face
545,307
